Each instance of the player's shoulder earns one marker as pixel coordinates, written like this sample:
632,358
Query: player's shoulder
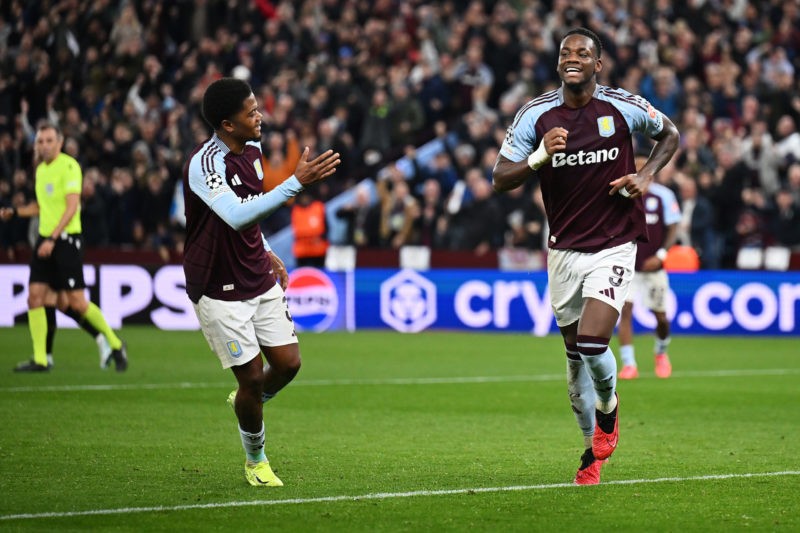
621,98
533,109
208,157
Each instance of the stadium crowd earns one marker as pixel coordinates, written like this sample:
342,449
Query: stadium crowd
374,80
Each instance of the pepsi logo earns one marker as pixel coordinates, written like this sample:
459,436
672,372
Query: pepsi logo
312,298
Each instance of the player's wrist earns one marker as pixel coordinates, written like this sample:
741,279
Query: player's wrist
661,253
538,158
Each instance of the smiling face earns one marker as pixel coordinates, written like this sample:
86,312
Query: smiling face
246,124
578,62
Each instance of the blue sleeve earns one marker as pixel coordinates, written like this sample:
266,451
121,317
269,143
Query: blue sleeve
672,209
520,140
239,215
212,188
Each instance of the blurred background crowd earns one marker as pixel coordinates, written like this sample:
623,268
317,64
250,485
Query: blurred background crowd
375,81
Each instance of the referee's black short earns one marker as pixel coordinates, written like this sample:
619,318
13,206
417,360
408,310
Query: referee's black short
63,270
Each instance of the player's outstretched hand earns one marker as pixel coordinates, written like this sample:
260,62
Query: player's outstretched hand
319,168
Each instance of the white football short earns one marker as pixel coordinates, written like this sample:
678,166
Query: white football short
650,288
235,331
573,276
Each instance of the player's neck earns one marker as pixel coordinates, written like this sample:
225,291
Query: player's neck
235,145
579,95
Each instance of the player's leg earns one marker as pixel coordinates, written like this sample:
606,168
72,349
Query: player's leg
87,312
50,301
39,293
37,324
605,289
229,331
565,296
579,385
625,335
276,334
663,365
103,347
249,412
656,302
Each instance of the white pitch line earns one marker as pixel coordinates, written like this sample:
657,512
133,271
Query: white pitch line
384,496
388,381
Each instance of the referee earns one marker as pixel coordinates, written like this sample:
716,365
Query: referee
56,267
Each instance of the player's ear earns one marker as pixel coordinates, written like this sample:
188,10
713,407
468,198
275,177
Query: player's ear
598,65
227,125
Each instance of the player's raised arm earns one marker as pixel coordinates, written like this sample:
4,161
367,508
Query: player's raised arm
509,175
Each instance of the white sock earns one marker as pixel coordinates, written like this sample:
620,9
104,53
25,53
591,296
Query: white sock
603,371
661,345
627,355
581,397
253,444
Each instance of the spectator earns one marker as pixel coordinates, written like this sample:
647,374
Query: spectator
114,74
278,162
376,132
430,227
407,116
787,146
696,228
478,225
94,211
785,220
310,231
363,219
399,209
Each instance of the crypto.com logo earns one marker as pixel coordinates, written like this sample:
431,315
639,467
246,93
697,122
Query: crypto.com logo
408,302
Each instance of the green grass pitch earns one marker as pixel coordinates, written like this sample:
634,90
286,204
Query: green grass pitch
389,432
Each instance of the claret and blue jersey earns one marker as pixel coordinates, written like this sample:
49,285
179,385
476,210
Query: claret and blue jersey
575,184
224,255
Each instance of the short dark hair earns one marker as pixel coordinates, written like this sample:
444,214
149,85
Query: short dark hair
47,125
223,99
587,33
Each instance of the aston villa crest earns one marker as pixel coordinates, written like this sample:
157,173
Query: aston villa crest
605,126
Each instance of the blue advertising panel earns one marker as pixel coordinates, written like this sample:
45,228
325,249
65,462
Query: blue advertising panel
762,303
718,303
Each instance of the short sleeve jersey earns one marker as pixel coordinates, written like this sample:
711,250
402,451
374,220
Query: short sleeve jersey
220,261
661,210
54,181
575,183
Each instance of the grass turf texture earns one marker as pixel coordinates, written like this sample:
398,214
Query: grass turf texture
379,412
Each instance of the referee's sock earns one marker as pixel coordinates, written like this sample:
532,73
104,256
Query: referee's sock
82,322
37,323
95,317
50,313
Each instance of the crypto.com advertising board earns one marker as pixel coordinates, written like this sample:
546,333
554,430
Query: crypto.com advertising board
719,303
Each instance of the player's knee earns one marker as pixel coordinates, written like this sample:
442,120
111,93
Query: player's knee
293,366
590,345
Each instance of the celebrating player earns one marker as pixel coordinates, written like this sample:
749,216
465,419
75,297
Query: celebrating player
230,269
577,140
